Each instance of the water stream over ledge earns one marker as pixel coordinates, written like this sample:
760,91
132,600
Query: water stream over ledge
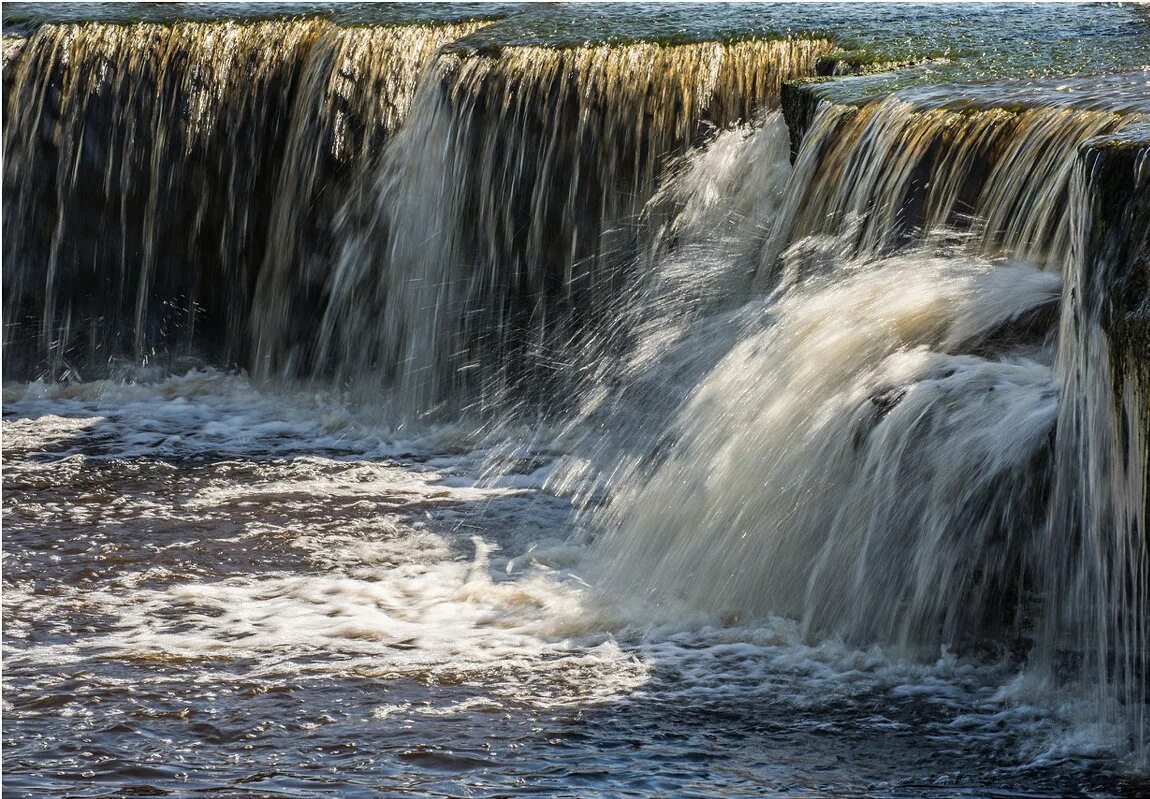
490,401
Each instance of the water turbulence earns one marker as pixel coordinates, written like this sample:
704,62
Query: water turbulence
859,460
870,433
448,405
504,220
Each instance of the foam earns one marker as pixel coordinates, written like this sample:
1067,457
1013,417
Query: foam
276,535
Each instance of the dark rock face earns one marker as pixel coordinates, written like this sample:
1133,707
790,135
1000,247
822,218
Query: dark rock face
799,102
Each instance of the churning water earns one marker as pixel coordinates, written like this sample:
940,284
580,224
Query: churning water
207,587
421,405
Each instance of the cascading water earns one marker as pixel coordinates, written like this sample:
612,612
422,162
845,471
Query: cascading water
852,463
158,175
356,90
127,148
1096,554
881,463
737,404
828,429
505,209
923,160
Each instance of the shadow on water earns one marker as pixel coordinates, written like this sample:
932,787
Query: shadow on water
327,738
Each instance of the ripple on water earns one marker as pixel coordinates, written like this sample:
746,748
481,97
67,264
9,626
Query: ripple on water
207,589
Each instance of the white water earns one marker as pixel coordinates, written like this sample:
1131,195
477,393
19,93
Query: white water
847,463
253,539
821,496
867,448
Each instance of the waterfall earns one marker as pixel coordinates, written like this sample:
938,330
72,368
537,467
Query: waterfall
900,168
153,169
505,210
357,88
896,389
133,145
1097,551
865,459
137,156
874,441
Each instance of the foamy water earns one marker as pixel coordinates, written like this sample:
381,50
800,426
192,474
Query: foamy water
204,584
612,433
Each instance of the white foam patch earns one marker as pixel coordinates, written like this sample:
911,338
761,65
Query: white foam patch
411,610
204,412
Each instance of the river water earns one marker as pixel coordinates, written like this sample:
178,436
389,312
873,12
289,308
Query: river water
479,401
212,590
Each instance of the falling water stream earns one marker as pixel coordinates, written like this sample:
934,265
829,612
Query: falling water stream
490,400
